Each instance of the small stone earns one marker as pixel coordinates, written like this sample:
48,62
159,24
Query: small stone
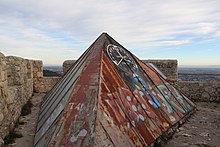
13,144
1,142
186,135
194,127
181,129
1,116
204,134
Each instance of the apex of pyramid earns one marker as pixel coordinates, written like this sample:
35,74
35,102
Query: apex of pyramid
103,35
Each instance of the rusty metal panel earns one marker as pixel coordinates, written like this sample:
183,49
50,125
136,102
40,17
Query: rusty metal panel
133,111
56,100
77,124
110,98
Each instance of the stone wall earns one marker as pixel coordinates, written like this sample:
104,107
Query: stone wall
45,84
168,67
42,84
67,64
16,89
4,99
19,78
206,91
37,74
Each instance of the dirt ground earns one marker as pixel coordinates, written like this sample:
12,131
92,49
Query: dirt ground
201,130
27,129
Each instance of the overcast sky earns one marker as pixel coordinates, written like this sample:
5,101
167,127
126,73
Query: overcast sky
54,31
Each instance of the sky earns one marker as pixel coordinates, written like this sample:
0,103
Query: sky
59,30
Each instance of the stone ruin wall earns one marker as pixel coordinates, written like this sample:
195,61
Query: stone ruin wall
42,84
16,87
19,78
67,64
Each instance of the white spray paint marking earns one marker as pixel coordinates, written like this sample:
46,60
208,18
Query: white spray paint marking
141,93
141,117
129,98
153,93
143,106
134,107
165,92
82,133
133,123
73,138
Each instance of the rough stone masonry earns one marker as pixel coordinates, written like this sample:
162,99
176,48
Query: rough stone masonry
18,79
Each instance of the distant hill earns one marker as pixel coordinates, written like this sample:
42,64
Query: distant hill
53,70
49,73
199,74
199,66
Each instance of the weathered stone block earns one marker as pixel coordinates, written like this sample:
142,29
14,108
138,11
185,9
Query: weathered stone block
1,117
39,74
67,64
168,67
16,70
13,93
45,84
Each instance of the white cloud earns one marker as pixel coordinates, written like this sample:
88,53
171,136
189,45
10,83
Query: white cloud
168,43
28,25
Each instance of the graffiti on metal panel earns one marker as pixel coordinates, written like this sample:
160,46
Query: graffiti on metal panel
165,106
121,58
185,102
167,94
147,90
135,111
135,80
156,98
145,96
177,100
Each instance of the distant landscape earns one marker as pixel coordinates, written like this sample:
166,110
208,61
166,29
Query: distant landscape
207,73
199,73
49,71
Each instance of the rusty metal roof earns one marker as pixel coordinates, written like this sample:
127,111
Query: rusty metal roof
109,98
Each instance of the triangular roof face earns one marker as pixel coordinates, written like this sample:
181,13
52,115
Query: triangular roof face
109,98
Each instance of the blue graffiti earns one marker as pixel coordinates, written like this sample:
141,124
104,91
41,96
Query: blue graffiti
147,91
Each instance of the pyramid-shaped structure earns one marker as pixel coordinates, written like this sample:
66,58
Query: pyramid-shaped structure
110,98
